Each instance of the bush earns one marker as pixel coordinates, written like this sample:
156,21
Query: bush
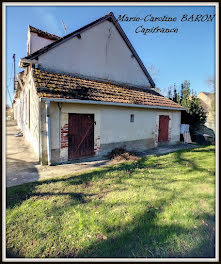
194,114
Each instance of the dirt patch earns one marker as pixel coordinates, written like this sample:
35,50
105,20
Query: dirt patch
120,155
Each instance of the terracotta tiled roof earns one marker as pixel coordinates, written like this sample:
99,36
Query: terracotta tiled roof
53,85
44,33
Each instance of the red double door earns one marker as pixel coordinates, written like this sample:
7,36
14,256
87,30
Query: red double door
163,128
80,135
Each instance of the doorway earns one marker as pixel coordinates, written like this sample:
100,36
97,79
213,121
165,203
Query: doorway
163,128
80,135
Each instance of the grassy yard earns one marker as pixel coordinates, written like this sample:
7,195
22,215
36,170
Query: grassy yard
156,207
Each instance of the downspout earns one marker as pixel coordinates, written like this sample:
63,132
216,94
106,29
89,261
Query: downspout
39,132
48,131
59,125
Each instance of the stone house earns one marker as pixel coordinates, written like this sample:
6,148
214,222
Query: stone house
207,101
88,93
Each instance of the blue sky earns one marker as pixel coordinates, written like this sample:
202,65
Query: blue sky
186,55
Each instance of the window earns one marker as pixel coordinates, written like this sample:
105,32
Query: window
132,118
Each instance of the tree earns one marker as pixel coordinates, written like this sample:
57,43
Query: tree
170,93
176,97
194,114
154,73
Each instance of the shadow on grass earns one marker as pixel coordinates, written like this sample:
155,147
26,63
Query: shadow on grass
17,194
11,254
190,163
142,237
202,149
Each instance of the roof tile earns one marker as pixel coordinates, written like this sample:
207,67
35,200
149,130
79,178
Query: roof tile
44,33
54,85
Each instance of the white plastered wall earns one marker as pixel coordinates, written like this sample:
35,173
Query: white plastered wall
112,125
34,42
32,131
116,125
100,53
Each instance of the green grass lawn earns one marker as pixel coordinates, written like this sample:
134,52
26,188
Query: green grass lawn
157,207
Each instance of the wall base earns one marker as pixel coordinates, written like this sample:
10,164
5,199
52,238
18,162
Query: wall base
134,145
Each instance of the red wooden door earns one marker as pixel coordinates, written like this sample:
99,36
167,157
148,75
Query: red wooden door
163,128
80,135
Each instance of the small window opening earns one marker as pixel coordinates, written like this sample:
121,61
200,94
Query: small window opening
132,118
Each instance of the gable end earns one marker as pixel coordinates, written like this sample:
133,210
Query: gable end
111,18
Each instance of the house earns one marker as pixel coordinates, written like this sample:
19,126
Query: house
207,101
87,93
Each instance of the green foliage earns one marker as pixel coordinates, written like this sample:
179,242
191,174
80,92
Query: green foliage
194,114
170,93
173,94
